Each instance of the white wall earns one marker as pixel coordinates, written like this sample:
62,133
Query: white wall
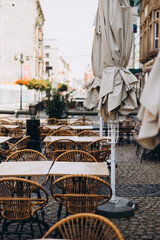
17,35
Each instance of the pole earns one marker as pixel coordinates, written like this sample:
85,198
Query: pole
100,126
21,61
113,161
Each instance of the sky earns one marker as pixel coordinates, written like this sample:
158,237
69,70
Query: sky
71,23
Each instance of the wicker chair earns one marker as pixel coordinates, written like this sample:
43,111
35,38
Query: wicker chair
85,226
50,121
61,123
136,129
76,156
6,119
85,120
21,144
5,122
29,155
99,149
81,193
62,132
65,127
44,131
15,133
126,129
56,148
87,133
78,123
19,203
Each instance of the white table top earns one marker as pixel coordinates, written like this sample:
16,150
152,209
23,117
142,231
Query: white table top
74,138
4,139
55,127
90,168
25,168
10,126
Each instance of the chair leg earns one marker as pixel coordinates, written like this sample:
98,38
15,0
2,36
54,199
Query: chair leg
59,211
21,229
31,227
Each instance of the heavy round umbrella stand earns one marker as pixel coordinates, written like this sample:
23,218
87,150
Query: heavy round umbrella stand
120,208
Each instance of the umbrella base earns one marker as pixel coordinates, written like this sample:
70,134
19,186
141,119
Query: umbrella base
118,209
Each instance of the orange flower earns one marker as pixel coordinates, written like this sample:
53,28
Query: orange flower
21,81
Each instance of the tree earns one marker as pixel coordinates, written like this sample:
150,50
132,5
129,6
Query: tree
56,107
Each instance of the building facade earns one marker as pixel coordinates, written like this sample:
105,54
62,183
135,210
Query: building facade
149,34
21,35
55,66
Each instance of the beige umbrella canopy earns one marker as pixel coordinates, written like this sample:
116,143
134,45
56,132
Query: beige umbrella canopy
149,113
117,84
117,89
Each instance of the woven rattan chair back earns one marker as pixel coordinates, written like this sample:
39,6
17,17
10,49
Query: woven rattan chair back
26,155
62,132
81,193
100,149
88,133
78,123
21,144
65,127
5,122
29,155
129,122
85,120
15,133
44,131
56,148
85,226
137,129
19,199
76,156
61,123
50,121
6,119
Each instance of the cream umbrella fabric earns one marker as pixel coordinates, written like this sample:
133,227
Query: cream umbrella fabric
149,113
117,88
91,100
113,42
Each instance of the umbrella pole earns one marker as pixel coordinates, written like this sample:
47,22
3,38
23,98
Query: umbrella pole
100,126
117,207
113,161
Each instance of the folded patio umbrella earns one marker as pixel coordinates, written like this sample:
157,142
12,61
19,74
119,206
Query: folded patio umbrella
117,88
149,113
116,85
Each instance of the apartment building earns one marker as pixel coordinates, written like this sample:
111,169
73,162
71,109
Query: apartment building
21,36
149,34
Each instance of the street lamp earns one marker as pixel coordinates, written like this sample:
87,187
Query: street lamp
21,60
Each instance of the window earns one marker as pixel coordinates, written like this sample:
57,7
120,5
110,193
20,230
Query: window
156,14
47,55
156,35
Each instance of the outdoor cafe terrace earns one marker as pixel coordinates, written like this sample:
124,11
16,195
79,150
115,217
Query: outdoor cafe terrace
137,179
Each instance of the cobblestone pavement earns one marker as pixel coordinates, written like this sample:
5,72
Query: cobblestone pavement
134,180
